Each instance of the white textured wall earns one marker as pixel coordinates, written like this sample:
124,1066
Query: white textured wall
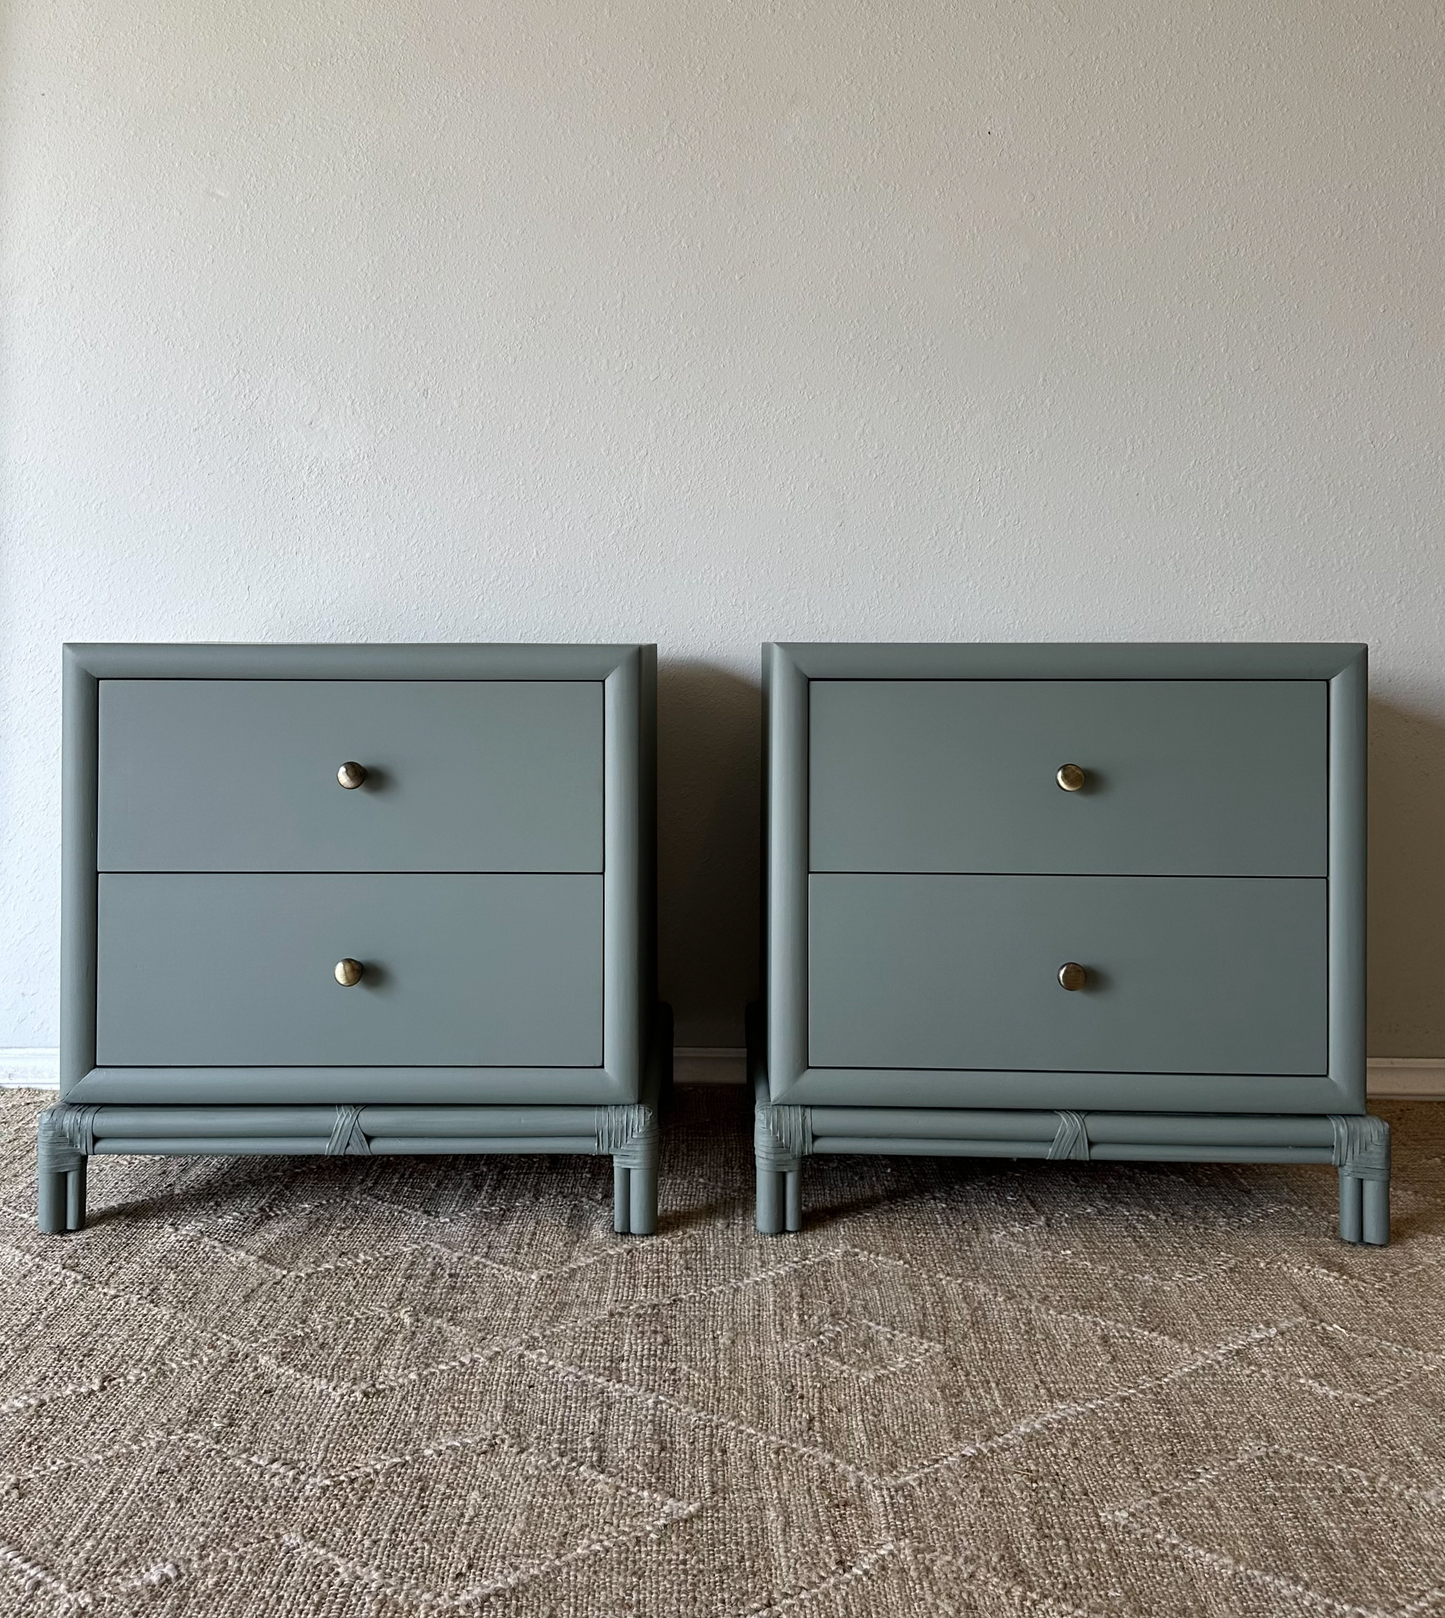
715,322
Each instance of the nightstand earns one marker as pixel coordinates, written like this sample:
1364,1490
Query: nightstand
1083,902
358,900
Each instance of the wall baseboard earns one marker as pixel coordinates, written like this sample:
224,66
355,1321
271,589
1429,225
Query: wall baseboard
709,1064
29,1068
1398,1077
1402,1077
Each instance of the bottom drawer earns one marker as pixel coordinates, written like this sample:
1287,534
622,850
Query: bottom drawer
216,970
1185,974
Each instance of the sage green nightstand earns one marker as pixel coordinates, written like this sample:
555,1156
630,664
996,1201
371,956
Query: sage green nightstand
1085,902
359,900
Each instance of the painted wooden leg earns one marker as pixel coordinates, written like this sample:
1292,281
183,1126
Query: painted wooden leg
51,1200
629,1135
770,1201
1376,1214
793,1187
1352,1221
1362,1153
782,1138
644,1201
60,1178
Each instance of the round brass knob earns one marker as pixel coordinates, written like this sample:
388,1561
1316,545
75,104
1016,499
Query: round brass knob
351,775
348,972
1070,777
1071,975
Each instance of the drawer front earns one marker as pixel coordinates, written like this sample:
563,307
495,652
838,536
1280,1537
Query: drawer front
237,970
240,775
1182,777
1186,975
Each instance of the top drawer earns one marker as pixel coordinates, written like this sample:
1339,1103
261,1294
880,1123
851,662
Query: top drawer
240,775
1181,777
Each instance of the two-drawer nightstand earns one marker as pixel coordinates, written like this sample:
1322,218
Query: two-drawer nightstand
359,900
1070,902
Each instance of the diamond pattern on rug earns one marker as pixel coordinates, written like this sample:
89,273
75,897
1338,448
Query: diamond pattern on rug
865,1349
395,1388
134,1513
1344,1363
494,1496
1278,1518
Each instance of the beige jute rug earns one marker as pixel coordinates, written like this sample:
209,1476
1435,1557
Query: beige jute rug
272,1388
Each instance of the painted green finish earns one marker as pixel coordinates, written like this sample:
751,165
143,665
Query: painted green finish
1182,777
918,889
179,1122
1066,660
1060,1087
1186,975
494,1085
1104,1128
497,878
891,1145
238,969
790,672
628,679
503,1123
463,1121
376,660
240,775
1349,746
629,928
785,868
1357,1145
67,1136
80,702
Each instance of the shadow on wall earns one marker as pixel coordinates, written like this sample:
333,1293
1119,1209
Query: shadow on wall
1407,884
709,754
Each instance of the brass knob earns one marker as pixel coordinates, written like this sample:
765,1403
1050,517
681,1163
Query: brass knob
351,774
1071,975
1070,777
348,972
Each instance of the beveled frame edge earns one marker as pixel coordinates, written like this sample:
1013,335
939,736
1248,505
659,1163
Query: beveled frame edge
355,1086
788,666
286,1096
786,871
1348,879
79,881
628,674
626,996
425,660
1061,660
650,1019
967,1089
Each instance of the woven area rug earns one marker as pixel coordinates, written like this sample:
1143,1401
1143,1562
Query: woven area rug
272,1388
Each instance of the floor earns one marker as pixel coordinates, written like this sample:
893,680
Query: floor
392,1387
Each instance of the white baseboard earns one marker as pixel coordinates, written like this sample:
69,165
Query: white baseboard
29,1068
709,1064
1401,1077
1421,1077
